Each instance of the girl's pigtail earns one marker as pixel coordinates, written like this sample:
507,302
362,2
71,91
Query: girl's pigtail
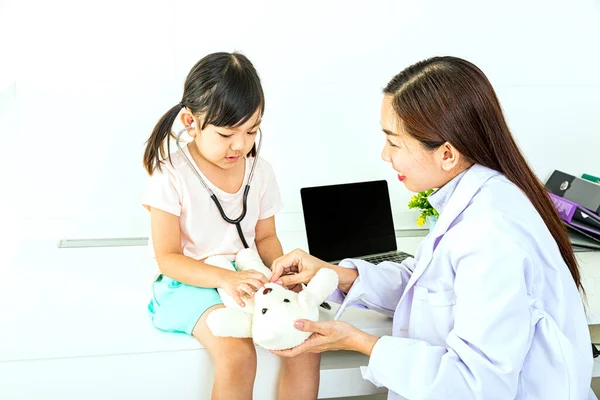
155,151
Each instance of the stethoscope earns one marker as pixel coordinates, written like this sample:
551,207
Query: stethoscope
237,221
213,196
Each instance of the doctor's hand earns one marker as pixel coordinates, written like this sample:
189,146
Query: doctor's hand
330,335
295,267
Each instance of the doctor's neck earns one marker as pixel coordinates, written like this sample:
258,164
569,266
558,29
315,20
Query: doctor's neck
455,172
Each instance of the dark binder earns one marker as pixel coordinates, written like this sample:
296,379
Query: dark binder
582,240
579,218
580,191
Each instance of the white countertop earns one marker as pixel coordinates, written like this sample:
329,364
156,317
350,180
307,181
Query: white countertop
59,303
77,302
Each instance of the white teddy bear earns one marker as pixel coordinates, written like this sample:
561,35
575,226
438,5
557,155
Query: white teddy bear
269,319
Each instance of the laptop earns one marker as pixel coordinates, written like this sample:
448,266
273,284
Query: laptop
352,220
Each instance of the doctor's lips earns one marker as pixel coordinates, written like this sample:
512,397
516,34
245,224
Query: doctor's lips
232,159
401,177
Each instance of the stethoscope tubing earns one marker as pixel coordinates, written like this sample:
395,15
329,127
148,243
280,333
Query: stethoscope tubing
237,221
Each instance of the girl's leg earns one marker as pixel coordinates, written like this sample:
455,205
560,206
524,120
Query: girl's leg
299,378
234,360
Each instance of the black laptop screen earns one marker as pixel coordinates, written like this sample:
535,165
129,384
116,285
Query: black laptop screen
348,220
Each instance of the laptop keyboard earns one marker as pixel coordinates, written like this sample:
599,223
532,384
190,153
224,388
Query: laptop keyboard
396,257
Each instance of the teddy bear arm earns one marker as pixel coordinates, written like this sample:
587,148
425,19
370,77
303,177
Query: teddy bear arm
249,259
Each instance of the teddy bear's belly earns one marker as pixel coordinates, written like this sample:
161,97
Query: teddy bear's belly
275,330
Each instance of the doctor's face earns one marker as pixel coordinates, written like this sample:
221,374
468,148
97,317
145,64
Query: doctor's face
418,167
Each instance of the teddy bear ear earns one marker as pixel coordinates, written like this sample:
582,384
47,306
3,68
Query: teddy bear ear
307,300
319,288
323,283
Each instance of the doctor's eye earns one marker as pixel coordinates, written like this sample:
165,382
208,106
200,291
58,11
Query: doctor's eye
390,143
264,311
252,133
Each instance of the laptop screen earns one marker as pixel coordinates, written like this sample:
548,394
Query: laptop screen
348,220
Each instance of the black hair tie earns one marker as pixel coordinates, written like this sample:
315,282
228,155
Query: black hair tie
181,104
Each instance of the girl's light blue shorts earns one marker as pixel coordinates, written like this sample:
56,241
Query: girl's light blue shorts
176,307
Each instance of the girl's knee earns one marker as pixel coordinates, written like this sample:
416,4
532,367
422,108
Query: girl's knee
302,361
236,353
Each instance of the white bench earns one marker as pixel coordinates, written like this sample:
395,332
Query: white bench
73,325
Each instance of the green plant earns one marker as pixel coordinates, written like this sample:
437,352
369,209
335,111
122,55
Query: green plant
420,201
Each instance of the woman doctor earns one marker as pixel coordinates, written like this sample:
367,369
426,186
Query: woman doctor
491,305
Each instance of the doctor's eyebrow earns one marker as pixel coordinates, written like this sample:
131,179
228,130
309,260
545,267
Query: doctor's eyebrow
389,132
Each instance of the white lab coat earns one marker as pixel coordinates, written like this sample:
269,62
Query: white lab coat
487,309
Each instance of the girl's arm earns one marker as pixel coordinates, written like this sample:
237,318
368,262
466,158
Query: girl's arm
166,237
267,243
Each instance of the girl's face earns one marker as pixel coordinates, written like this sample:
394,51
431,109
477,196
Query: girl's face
418,167
225,147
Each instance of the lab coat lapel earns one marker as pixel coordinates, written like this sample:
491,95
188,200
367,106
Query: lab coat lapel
468,186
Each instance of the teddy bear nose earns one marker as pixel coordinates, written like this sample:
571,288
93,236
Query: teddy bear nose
264,311
267,290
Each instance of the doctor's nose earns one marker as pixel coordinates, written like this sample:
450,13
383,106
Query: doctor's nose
385,154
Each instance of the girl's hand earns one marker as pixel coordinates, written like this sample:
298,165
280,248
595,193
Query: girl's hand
295,267
243,283
330,335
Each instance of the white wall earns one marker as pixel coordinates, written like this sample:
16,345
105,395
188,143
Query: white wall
10,183
95,76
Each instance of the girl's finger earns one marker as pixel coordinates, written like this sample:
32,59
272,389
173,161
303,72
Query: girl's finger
256,284
238,299
245,288
259,276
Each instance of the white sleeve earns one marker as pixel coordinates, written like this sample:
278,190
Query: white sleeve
163,192
377,287
485,351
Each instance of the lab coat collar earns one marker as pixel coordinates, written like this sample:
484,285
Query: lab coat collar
470,183
439,199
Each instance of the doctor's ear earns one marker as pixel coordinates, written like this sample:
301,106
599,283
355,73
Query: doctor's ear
449,155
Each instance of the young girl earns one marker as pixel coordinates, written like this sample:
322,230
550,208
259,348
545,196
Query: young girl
222,107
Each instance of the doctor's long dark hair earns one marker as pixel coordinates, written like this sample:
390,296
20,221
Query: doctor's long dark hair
448,99
222,87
